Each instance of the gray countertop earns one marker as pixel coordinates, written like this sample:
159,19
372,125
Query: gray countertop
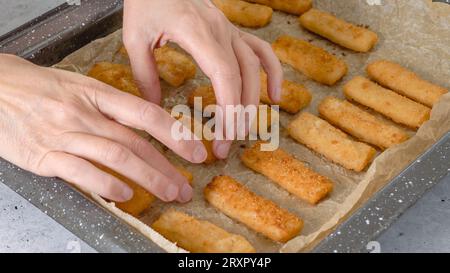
23,228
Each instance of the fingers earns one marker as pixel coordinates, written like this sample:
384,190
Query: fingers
143,149
221,66
270,63
250,71
122,160
140,114
85,175
145,69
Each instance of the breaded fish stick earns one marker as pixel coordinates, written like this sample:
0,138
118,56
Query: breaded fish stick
118,76
331,142
294,96
405,82
400,109
199,236
259,214
360,123
206,92
142,199
339,31
174,67
290,6
311,60
188,175
209,98
192,123
289,173
245,14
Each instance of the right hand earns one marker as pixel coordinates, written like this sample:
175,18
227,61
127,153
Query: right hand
54,123
231,58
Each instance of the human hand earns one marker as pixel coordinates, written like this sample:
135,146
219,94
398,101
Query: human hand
229,57
54,123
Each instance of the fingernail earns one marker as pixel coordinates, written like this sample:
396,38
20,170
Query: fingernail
199,154
186,193
223,150
127,193
278,91
171,192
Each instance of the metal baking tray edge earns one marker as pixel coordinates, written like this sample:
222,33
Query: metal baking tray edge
51,37
45,41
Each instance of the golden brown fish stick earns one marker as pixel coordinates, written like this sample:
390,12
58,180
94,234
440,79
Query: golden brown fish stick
192,123
290,6
312,61
206,92
259,214
245,14
360,123
118,76
209,98
174,67
294,96
331,142
187,174
199,236
142,199
405,82
339,31
400,109
288,172
211,157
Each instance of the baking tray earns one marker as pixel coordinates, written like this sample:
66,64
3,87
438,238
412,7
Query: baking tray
54,35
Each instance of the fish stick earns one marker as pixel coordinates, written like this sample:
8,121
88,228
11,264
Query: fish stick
311,60
211,157
206,92
339,31
192,123
174,67
320,136
290,6
294,96
259,214
187,174
118,76
245,14
142,199
361,124
399,108
199,236
209,98
288,172
405,82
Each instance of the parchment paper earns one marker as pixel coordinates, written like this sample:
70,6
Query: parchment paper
415,34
